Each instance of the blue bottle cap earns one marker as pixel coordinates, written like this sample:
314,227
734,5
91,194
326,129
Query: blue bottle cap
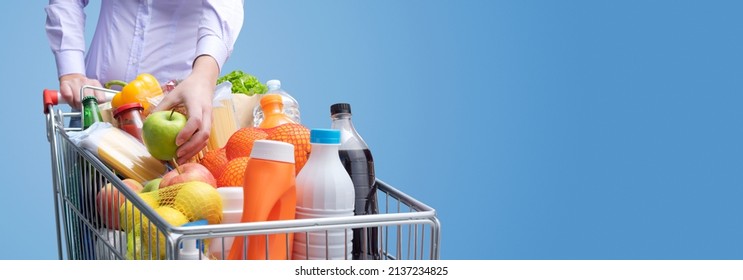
325,136
196,223
199,243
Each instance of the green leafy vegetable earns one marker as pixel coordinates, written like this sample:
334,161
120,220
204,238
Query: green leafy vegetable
244,83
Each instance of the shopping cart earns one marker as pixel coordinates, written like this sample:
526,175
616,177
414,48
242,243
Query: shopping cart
407,228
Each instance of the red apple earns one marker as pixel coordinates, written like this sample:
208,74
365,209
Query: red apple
134,185
186,173
109,200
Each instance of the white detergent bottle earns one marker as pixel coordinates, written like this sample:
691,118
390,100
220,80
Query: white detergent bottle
324,189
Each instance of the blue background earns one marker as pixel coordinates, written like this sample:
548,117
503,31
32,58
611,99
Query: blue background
537,129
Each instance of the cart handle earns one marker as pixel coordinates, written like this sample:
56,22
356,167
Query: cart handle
53,97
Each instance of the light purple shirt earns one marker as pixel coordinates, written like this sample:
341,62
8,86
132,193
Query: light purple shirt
160,37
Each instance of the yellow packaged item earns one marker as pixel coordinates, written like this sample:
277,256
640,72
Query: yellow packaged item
120,151
224,121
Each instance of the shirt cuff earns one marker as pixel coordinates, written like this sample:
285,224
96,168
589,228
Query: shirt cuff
213,46
70,62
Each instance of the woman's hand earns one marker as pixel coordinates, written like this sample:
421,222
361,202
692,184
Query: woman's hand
196,93
70,85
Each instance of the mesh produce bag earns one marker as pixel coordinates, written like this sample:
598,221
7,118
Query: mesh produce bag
297,135
177,205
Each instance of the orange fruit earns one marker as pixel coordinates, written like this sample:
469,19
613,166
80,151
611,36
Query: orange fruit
234,173
241,142
215,161
297,135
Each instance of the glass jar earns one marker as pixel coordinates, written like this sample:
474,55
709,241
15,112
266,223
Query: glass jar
129,118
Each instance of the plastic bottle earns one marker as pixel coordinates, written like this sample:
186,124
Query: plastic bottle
268,194
91,113
358,162
232,210
113,238
273,112
192,249
324,189
290,105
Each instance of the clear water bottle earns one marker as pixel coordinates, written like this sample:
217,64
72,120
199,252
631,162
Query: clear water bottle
358,162
291,106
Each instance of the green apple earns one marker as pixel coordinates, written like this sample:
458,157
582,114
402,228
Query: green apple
152,185
159,131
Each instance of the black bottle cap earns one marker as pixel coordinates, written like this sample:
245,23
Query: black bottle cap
340,108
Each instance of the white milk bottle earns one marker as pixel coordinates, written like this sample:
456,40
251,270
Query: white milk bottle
324,189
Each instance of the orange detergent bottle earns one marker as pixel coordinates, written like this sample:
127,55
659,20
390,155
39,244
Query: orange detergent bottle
269,194
273,111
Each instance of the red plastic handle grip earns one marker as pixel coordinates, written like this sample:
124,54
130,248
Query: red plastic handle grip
51,97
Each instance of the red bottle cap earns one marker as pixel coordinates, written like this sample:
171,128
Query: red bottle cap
127,106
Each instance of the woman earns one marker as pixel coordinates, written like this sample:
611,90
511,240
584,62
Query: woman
170,39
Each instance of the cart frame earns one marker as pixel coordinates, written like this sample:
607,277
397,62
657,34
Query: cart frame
77,174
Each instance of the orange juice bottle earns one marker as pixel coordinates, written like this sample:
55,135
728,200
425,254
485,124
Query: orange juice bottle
268,195
273,111
291,106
